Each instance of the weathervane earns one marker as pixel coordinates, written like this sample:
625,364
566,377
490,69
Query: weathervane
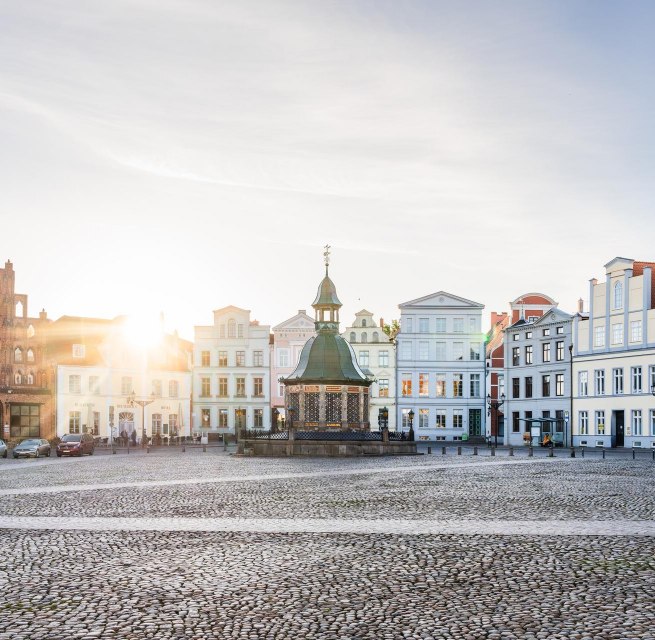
326,255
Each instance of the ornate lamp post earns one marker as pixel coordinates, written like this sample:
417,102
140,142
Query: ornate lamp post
383,418
143,403
410,416
494,405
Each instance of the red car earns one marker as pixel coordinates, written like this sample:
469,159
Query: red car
76,444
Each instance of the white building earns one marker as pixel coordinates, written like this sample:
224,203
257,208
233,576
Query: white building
376,357
614,359
440,368
231,376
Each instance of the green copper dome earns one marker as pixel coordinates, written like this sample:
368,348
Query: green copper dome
327,294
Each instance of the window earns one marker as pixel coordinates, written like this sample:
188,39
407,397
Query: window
257,358
545,352
79,351
283,357
515,337
30,355
362,358
221,332
473,324
74,384
458,351
364,337
474,385
205,387
363,322
258,387
475,350
458,382
383,359
528,421
423,325
222,358
617,333
241,387
636,379
74,419
617,381
96,423
528,354
258,418
559,350
423,351
599,336
636,422
635,331
376,336
516,422
599,382
126,385
156,388
222,418
353,336
440,418
409,325
559,384
156,423
204,358
516,356
405,350
240,331
173,389
546,332
516,387
545,386
423,384
501,386
231,328
440,385
222,387
94,385
240,360
458,325
441,325
651,370
583,383
404,416
441,351
652,422
559,331
383,386
30,378
407,384
528,387
618,295
458,418
528,335
423,418
583,422
600,422
204,417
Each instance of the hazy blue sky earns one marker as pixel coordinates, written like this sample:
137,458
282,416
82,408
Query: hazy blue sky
180,156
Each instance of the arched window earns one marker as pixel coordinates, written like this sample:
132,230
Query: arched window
376,336
18,378
30,355
618,295
353,336
18,355
231,328
364,337
363,322
30,331
173,389
30,378
19,309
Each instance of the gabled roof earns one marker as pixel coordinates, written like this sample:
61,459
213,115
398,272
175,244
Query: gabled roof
364,312
300,321
441,299
553,315
617,259
231,308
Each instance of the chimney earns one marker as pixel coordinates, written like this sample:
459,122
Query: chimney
580,305
382,322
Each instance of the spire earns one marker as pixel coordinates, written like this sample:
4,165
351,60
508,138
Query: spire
327,304
326,255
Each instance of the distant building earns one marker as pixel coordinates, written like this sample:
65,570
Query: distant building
377,359
26,379
441,368
231,374
614,359
103,378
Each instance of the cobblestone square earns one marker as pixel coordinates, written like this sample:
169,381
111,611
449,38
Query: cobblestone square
208,545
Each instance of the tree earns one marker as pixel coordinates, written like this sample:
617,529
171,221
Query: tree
391,330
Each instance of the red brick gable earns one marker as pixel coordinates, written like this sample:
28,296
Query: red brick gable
638,270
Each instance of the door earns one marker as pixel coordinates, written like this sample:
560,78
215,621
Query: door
619,428
475,422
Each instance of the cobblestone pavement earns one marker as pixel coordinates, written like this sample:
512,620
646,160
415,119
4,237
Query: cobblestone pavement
200,546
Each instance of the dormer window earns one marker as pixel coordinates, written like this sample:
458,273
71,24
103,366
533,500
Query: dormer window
618,295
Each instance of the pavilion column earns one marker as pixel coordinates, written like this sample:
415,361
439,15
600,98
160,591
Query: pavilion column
344,407
301,408
322,406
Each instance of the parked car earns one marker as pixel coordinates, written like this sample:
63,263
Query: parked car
36,447
76,444
3,449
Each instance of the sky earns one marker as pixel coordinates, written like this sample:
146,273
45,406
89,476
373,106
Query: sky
179,156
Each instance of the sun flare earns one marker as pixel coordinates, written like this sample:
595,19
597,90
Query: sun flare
142,331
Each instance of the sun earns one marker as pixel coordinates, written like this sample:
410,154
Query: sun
142,331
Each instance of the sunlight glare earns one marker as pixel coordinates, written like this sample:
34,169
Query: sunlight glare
143,331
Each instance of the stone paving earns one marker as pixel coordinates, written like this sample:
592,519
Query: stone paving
205,546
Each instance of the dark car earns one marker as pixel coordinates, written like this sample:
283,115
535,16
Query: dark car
36,447
76,444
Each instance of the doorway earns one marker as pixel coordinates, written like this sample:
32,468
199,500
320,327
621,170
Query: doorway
618,428
475,422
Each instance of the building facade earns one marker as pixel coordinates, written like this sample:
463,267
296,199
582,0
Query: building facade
231,374
538,378
26,377
108,386
441,368
614,359
376,357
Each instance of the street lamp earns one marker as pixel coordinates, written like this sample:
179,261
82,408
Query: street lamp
410,416
383,418
494,405
143,403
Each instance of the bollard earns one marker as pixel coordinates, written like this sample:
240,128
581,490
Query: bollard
603,453
493,451
511,451
113,450
443,451
183,448
582,452
475,451
572,452
147,449
429,450
459,451
654,454
530,452
633,454
550,452
204,448
128,450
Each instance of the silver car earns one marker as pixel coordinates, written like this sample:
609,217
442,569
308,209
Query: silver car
3,449
34,447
